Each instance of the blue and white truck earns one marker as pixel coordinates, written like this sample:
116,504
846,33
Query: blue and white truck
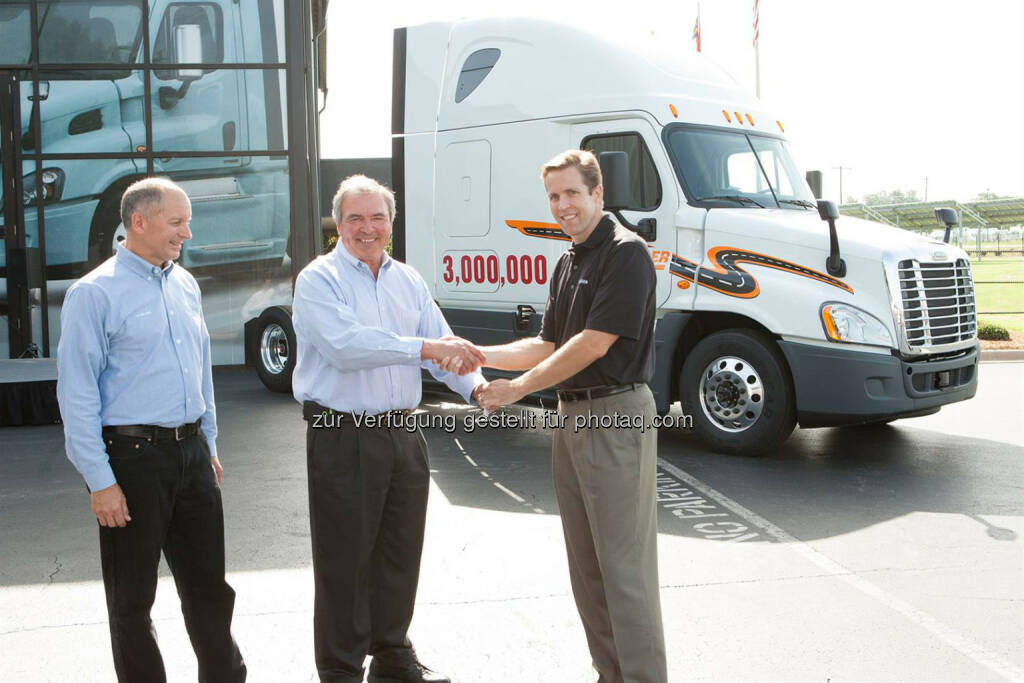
193,110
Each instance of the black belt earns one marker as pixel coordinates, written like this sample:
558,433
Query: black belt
596,392
311,409
154,433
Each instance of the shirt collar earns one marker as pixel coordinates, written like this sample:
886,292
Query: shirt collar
138,265
602,231
344,254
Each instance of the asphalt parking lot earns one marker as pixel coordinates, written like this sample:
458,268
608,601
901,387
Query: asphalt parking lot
856,554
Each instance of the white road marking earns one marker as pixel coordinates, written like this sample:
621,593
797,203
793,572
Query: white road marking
964,645
512,494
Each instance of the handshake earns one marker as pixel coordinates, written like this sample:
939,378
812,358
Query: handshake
456,355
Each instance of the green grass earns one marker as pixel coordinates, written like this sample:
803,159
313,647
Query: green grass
1000,297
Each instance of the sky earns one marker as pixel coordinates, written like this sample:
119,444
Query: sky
893,91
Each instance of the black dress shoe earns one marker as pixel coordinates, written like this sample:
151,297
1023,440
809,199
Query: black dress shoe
404,672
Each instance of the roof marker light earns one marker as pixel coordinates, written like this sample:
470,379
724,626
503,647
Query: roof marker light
738,117
727,117
675,112
779,124
750,119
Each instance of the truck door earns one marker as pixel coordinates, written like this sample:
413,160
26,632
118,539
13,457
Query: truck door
195,109
653,191
203,110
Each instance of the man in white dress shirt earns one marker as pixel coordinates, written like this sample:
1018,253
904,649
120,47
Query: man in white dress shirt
365,324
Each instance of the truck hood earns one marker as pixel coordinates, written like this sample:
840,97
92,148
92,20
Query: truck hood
858,238
67,98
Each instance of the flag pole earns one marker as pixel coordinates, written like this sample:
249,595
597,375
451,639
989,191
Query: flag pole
757,53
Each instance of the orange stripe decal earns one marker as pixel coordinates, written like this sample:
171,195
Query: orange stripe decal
549,231
721,274
725,276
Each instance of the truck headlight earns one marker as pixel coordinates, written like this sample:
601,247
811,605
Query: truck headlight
845,323
53,186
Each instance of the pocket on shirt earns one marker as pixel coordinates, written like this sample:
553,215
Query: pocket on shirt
140,333
407,319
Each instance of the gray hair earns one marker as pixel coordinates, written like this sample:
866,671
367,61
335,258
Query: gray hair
144,196
360,184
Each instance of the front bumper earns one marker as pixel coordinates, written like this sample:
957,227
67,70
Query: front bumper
837,386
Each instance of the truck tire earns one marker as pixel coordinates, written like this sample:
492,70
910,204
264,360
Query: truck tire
274,351
736,385
106,230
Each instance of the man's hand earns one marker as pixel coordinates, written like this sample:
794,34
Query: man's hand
477,390
109,506
500,392
217,469
453,354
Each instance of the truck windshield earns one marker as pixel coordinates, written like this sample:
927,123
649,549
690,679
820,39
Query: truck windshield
722,168
73,32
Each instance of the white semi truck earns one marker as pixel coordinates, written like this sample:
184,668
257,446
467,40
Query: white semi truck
770,313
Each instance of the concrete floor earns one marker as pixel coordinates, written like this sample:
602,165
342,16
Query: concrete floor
889,553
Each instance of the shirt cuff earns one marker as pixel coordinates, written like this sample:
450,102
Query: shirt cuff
99,477
472,380
213,447
412,347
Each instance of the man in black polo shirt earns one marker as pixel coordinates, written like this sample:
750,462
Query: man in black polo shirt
597,344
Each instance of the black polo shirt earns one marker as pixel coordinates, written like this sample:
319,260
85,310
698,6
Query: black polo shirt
606,284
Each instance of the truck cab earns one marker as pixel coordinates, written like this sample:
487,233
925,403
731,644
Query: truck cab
756,329
217,107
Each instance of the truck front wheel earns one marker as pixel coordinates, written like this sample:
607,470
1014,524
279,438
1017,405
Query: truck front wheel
274,342
736,385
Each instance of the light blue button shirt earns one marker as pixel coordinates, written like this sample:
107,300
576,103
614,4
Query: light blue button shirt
359,338
134,349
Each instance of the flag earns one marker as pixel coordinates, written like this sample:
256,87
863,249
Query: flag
757,31
696,29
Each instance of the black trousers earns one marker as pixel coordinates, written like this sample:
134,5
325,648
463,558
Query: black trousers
175,505
367,510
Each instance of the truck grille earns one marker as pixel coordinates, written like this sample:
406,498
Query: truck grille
938,302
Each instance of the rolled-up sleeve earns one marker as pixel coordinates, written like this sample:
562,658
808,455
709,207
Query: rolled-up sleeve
81,358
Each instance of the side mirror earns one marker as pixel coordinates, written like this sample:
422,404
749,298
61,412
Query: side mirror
834,264
948,218
188,49
814,182
615,178
827,210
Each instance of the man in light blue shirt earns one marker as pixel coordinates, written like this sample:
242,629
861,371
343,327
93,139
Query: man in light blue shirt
365,324
135,388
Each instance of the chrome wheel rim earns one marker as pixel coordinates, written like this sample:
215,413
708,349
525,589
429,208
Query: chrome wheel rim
120,234
274,348
731,394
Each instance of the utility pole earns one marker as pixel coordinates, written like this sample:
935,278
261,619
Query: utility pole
926,188
841,169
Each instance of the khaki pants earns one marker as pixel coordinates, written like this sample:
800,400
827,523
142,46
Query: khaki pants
605,483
